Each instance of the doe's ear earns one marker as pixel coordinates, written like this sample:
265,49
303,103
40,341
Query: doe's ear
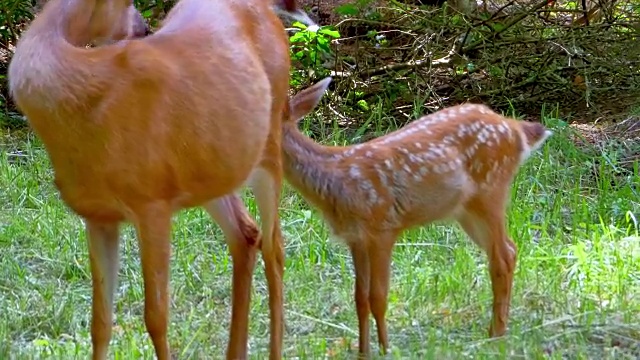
289,8
302,103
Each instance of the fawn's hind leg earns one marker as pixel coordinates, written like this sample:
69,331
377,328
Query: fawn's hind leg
484,222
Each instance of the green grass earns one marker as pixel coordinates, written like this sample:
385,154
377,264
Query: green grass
576,291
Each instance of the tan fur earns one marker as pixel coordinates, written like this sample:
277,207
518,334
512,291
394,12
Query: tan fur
137,129
457,163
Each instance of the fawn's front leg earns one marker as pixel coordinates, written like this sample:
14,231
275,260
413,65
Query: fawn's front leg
362,267
380,250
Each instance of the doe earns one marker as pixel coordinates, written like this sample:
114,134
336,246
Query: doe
139,127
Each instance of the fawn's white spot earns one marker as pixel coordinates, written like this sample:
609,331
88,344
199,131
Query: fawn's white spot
483,109
382,175
354,171
440,168
469,152
455,164
352,150
413,158
448,140
462,109
372,195
463,130
400,179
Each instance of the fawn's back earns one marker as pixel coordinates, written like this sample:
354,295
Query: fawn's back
152,123
424,172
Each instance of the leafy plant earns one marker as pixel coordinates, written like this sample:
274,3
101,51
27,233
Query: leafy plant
310,48
358,8
13,15
154,10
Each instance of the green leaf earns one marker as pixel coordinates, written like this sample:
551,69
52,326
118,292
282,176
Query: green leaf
324,48
299,25
347,9
297,37
498,27
329,32
41,342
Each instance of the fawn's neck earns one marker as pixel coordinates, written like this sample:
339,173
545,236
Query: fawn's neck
311,167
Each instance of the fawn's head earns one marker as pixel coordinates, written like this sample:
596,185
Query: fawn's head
108,21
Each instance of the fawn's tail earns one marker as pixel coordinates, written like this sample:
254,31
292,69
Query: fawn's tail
535,134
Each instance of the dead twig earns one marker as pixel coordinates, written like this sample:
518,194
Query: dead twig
510,24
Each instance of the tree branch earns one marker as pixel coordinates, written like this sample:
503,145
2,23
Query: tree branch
513,22
412,64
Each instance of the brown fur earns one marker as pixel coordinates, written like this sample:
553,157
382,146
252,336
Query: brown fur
455,164
533,132
137,129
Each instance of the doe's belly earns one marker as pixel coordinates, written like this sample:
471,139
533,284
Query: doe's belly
113,188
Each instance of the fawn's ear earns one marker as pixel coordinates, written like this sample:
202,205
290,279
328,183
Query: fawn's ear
306,100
